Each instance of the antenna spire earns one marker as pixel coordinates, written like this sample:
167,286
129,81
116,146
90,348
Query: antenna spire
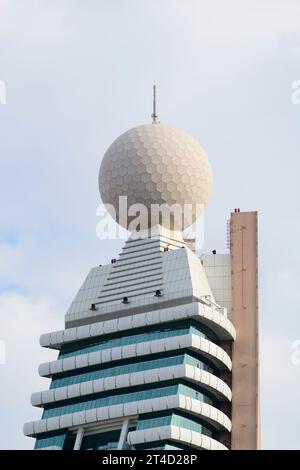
154,115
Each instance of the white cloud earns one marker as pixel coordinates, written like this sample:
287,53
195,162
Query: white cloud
235,23
23,320
11,260
280,384
33,20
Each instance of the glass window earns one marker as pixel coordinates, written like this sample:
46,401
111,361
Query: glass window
57,441
125,398
100,344
175,420
103,441
129,368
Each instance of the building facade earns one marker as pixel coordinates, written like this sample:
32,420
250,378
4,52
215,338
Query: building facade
160,348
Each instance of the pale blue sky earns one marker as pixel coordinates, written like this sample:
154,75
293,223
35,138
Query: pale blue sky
80,72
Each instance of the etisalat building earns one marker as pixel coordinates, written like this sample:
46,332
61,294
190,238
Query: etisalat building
160,346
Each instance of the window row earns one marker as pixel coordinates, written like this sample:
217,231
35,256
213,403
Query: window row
139,338
175,420
129,368
126,398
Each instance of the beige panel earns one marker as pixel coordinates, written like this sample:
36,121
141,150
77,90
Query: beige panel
245,379
191,244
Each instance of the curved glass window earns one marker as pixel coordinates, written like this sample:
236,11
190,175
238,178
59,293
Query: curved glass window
175,420
126,398
101,441
139,338
129,368
57,441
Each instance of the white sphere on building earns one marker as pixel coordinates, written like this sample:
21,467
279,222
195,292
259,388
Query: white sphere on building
156,164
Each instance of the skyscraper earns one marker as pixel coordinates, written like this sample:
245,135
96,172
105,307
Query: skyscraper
160,346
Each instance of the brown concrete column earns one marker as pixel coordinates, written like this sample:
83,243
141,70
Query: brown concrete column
245,358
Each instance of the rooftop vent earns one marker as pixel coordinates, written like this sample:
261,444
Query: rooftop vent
158,293
125,300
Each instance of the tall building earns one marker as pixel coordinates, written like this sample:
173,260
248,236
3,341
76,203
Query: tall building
160,346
